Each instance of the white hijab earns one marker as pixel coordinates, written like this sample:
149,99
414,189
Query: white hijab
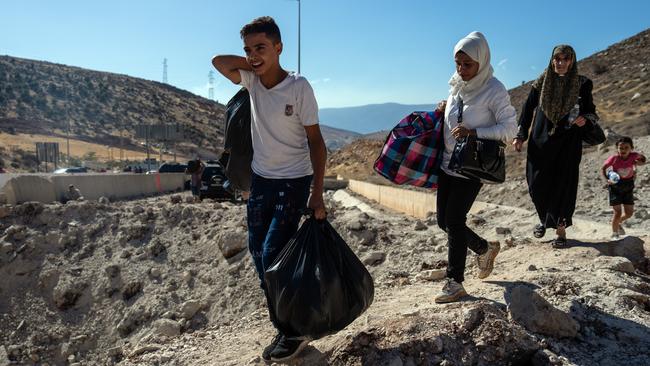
475,46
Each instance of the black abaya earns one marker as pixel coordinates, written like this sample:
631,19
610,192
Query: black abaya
553,157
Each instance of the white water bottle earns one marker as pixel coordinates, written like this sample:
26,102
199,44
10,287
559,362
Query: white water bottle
613,177
574,113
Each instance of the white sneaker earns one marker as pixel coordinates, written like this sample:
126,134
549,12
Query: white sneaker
451,291
615,236
485,261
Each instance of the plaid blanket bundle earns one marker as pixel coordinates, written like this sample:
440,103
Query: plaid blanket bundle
413,150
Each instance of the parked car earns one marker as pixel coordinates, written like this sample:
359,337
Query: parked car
172,168
212,181
71,170
175,168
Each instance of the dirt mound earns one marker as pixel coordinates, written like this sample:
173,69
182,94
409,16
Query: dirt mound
157,281
405,327
84,280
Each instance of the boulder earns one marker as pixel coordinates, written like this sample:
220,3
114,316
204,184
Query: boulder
131,289
355,225
365,237
503,230
531,310
166,327
419,226
190,308
630,247
133,318
232,242
66,293
374,258
16,232
619,264
431,275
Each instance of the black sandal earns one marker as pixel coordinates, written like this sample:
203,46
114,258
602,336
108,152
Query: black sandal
539,231
559,243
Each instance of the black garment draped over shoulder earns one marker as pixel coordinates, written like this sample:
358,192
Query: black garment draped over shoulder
553,156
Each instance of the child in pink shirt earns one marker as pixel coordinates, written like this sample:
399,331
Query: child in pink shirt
621,196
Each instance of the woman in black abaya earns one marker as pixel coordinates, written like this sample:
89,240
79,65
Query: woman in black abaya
561,110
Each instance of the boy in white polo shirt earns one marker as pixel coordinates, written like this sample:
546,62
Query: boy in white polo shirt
288,152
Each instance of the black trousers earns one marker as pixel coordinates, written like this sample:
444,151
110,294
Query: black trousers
454,199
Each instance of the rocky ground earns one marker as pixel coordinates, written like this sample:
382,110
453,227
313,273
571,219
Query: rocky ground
162,281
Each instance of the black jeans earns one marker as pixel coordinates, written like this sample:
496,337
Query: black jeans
454,199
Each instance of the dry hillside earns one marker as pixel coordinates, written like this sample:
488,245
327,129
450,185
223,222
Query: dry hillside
39,97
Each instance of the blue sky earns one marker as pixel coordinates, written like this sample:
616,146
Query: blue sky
354,52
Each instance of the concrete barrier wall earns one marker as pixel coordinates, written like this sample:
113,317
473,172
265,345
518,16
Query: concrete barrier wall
412,203
32,187
53,187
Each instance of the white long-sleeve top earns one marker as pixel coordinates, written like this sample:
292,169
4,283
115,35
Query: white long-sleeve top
489,112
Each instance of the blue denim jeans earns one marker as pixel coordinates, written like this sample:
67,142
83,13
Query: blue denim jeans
274,211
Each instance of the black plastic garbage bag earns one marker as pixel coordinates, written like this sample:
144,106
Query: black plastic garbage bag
317,285
238,146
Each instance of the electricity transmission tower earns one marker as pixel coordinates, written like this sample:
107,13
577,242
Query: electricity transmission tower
165,70
211,85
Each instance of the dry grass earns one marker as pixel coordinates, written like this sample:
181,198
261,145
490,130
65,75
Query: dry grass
78,148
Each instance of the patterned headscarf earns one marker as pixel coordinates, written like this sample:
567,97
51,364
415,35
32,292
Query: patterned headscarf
476,47
558,94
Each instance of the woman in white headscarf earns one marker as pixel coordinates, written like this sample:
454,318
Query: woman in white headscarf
487,113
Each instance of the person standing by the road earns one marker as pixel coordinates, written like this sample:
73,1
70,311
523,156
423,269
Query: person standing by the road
196,171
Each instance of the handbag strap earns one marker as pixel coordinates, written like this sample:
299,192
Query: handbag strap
461,104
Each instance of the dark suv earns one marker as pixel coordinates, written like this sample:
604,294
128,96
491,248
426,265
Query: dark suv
212,181
175,168
172,168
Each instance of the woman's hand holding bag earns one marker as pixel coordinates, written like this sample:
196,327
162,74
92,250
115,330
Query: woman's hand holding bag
478,158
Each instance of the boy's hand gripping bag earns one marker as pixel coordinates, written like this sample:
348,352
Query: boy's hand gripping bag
317,285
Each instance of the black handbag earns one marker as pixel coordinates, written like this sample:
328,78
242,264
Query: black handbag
592,133
477,158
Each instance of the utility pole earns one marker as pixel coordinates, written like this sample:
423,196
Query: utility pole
121,144
147,143
68,141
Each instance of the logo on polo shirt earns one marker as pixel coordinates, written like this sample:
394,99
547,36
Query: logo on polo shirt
288,110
